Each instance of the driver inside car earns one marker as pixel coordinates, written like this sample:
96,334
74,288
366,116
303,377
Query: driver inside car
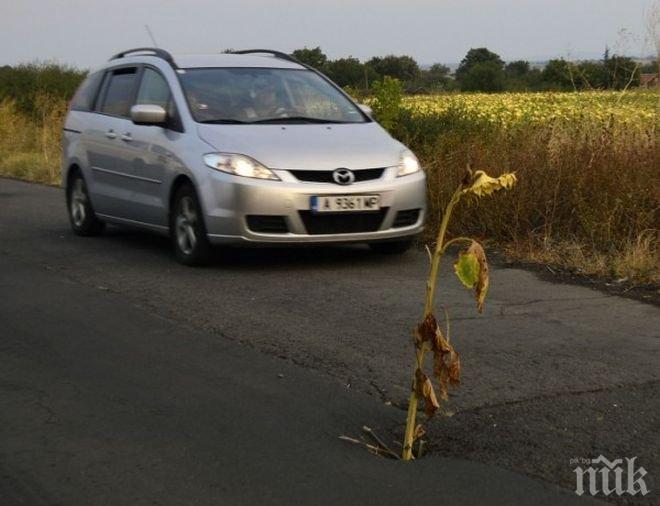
264,102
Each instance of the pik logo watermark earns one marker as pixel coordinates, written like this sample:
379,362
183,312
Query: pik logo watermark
600,475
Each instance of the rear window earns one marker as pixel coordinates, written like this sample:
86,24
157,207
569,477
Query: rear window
83,100
119,96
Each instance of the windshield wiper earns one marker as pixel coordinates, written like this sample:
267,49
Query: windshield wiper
225,121
295,119
287,119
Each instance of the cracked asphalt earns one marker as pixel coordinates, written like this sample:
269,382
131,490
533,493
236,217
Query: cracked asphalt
550,371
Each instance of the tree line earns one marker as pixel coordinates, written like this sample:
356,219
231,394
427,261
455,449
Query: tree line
480,70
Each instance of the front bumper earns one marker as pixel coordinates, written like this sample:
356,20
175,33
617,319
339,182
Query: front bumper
227,200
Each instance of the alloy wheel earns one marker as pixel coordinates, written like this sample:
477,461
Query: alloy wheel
185,222
78,202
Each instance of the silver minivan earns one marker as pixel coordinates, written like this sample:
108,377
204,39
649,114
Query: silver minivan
244,147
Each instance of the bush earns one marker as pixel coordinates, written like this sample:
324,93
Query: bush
25,83
386,103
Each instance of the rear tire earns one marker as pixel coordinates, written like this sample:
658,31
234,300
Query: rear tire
81,213
391,247
187,230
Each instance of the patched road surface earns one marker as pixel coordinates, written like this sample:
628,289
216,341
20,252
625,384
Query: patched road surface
126,378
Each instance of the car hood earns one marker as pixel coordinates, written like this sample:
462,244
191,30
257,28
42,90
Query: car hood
309,146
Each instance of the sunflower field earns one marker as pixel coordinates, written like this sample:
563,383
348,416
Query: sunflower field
507,110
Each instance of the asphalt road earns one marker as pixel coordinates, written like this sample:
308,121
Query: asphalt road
126,378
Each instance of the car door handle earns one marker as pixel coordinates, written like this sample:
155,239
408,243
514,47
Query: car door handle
126,137
110,134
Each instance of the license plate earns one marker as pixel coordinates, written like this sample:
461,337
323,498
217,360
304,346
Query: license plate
344,203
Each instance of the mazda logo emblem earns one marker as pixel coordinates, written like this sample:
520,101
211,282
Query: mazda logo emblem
343,176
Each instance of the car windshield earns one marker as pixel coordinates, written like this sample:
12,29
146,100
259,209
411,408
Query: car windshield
265,95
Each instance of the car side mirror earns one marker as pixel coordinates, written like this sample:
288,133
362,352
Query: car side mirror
366,109
148,114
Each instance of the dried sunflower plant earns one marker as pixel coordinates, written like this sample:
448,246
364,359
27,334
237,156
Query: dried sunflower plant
471,269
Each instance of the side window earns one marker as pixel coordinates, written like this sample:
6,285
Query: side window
119,95
155,90
83,99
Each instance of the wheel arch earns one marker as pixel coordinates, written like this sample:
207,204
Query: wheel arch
73,168
178,182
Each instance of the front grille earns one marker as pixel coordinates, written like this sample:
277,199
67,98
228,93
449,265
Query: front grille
267,224
342,223
325,176
406,218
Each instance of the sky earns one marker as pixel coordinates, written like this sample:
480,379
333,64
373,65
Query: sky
84,33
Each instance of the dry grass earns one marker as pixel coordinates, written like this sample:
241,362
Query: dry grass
30,146
637,262
588,196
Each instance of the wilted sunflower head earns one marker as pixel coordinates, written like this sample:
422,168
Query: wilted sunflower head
479,183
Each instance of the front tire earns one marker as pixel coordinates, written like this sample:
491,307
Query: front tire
187,230
391,247
81,214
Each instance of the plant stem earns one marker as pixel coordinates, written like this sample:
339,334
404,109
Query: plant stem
438,253
428,309
454,241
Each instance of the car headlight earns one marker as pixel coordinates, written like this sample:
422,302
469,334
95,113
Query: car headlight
239,165
408,164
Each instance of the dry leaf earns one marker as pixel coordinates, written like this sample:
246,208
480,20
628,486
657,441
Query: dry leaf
455,369
424,390
446,361
446,364
481,286
441,373
426,330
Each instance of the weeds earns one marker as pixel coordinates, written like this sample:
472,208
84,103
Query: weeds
588,197
30,146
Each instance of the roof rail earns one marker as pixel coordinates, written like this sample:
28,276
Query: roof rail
276,54
157,52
